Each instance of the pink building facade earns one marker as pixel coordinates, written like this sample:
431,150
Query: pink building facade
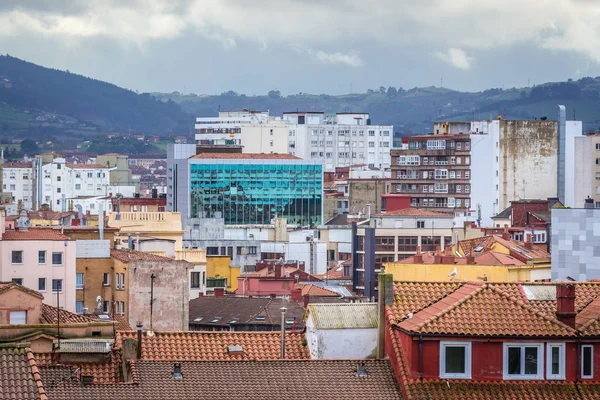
260,286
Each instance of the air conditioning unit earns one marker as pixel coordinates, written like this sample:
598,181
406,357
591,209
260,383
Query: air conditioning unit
86,310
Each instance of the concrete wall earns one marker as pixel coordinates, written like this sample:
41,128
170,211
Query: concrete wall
171,297
586,170
575,250
363,192
340,343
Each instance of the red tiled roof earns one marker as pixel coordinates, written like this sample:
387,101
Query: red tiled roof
19,375
486,242
212,346
411,297
104,372
413,212
265,380
5,286
473,310
313,290
246,156
50,316
34,234
134,255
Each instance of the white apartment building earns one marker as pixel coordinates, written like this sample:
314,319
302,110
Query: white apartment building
255,131
56,182
338,140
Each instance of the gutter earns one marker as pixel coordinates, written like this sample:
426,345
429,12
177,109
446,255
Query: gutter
488,337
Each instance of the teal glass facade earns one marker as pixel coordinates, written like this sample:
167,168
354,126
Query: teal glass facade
252,193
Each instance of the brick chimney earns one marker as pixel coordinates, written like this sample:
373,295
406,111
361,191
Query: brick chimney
438,255
565,304
528,243
418,258
505,234
278,268
297,294
219,292
306,299
470,260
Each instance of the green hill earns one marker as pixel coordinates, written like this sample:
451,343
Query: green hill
39,102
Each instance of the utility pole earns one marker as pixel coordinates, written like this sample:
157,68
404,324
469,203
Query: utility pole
152,278
283,310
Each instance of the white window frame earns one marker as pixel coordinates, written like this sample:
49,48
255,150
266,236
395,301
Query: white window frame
592,360
17,315
561,373
540,362
468,361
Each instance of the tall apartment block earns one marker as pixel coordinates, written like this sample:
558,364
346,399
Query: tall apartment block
338,140
435,170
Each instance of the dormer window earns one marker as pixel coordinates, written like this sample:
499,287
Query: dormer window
455,360
523,361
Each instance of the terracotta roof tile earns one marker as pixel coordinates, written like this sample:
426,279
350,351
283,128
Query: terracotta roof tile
313,290
269,380
413,212
134,255
34,234
473,310
246,156
5,286
411,297
19,375
50,316
212,346
104,372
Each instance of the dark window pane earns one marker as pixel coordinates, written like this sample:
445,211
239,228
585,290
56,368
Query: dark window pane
514,361
531,360
587,361
555,360
455,360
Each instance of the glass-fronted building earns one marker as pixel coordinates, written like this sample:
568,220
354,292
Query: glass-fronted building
247,188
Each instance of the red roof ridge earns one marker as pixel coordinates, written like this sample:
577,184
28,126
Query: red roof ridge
36,374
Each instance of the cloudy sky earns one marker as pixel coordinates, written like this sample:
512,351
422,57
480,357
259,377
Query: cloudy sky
315,46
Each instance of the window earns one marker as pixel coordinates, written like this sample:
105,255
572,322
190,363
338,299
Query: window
122,308
79,281
105,279
420,224
106,307
371,144
17,257
57,285
467,174
58,178
271,132
441,174
42,284
58,166
17,318
523,361
407,243
117,281
90,175
18,281
57,190
587,355
436,144
458,146
408,160
467,188
458,189
79,307
455,360
467,145
371,133
252,250
57,258
384,243
123,281
195,280
555,368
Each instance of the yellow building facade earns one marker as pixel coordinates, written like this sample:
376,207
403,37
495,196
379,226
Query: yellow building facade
162,225
220,267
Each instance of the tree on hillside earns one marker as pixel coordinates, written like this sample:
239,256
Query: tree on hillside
381,89
391,92
29,146
274,94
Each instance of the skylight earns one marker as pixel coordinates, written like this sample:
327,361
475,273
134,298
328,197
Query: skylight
103,316
261,318
234,321
216,319
198,319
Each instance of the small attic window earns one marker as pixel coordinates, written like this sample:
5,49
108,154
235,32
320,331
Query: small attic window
215,320
339,269
198,319
235,349
103,316
478,249
234,321
261,318
87,379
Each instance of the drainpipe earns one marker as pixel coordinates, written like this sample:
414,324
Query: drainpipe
283,310
420,357
139,340
101,220
385,297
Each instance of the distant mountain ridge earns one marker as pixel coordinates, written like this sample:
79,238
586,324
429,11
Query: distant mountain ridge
38,100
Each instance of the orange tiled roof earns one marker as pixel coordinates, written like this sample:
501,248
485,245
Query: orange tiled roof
50,316
104,372
5,286
19,375
413,212
212,346
473,310
486,242
134,255
246,156
313,290
34,234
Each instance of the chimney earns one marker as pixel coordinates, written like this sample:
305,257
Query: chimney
385,297
565,304
306,298
297,294
278,268
470,260
418,258
505,234
528,244
139,340
588,203
219,292
438,255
